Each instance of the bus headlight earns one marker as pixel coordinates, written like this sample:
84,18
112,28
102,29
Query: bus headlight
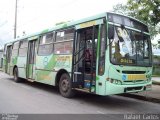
148,77
118,82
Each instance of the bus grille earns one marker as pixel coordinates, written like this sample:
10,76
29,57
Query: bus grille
133,88
133,81
133,72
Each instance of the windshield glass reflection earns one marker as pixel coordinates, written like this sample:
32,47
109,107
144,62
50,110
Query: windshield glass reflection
130,47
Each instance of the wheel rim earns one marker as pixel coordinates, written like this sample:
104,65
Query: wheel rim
65,85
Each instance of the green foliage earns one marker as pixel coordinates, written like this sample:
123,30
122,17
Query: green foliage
156,46
147,11
156,65
156,71
120,8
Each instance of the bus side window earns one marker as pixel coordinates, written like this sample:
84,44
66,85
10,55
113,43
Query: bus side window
15,49
23,48
46,44
64,41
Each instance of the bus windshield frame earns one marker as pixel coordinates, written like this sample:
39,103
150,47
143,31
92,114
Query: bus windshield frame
130,45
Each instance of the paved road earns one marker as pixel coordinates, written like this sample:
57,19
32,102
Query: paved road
39,98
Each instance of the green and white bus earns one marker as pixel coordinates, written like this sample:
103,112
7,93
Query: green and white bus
104,54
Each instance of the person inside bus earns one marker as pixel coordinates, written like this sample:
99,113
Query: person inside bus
117,54
87,59
88,56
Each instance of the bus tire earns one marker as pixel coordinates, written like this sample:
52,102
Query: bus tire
65,87
15,74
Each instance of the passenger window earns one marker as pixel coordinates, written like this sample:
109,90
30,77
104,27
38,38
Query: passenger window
47,38
63,47
15,49
65,35
23,48
64,42
46,44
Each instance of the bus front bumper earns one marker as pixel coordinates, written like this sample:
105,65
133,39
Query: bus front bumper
118,89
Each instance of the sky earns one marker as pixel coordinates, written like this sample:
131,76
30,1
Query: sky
36,15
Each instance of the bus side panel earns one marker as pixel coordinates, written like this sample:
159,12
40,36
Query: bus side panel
4,64
63,62
13,63
48,66
44,69
46,77
21,63
101,80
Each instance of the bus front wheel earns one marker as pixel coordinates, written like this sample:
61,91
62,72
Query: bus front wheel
65,87
15,74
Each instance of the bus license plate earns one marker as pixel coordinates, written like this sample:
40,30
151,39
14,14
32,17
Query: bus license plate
136,77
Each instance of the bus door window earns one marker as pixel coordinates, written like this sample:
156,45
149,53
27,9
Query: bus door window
9,48
88,54
91,46
31,52
86,46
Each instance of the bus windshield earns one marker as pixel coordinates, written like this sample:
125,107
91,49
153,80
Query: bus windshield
129,47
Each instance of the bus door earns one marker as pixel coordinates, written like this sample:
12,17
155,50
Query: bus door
8,59
85,56
30,70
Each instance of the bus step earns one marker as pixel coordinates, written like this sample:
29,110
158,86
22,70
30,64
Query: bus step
87,83
30,80
83,90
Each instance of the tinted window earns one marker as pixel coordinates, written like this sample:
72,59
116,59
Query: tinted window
46,44
127,22
47,38
45,49
23,43
66,46
15,49
23,48
8,57
16,45
65,35
63,47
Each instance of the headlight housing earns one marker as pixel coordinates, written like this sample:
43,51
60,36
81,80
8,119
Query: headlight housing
114,81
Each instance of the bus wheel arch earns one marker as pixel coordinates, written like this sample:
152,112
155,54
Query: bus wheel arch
58,76
15,67
63,81
16,74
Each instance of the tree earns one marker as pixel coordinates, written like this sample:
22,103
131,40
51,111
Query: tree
120,8
147,11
